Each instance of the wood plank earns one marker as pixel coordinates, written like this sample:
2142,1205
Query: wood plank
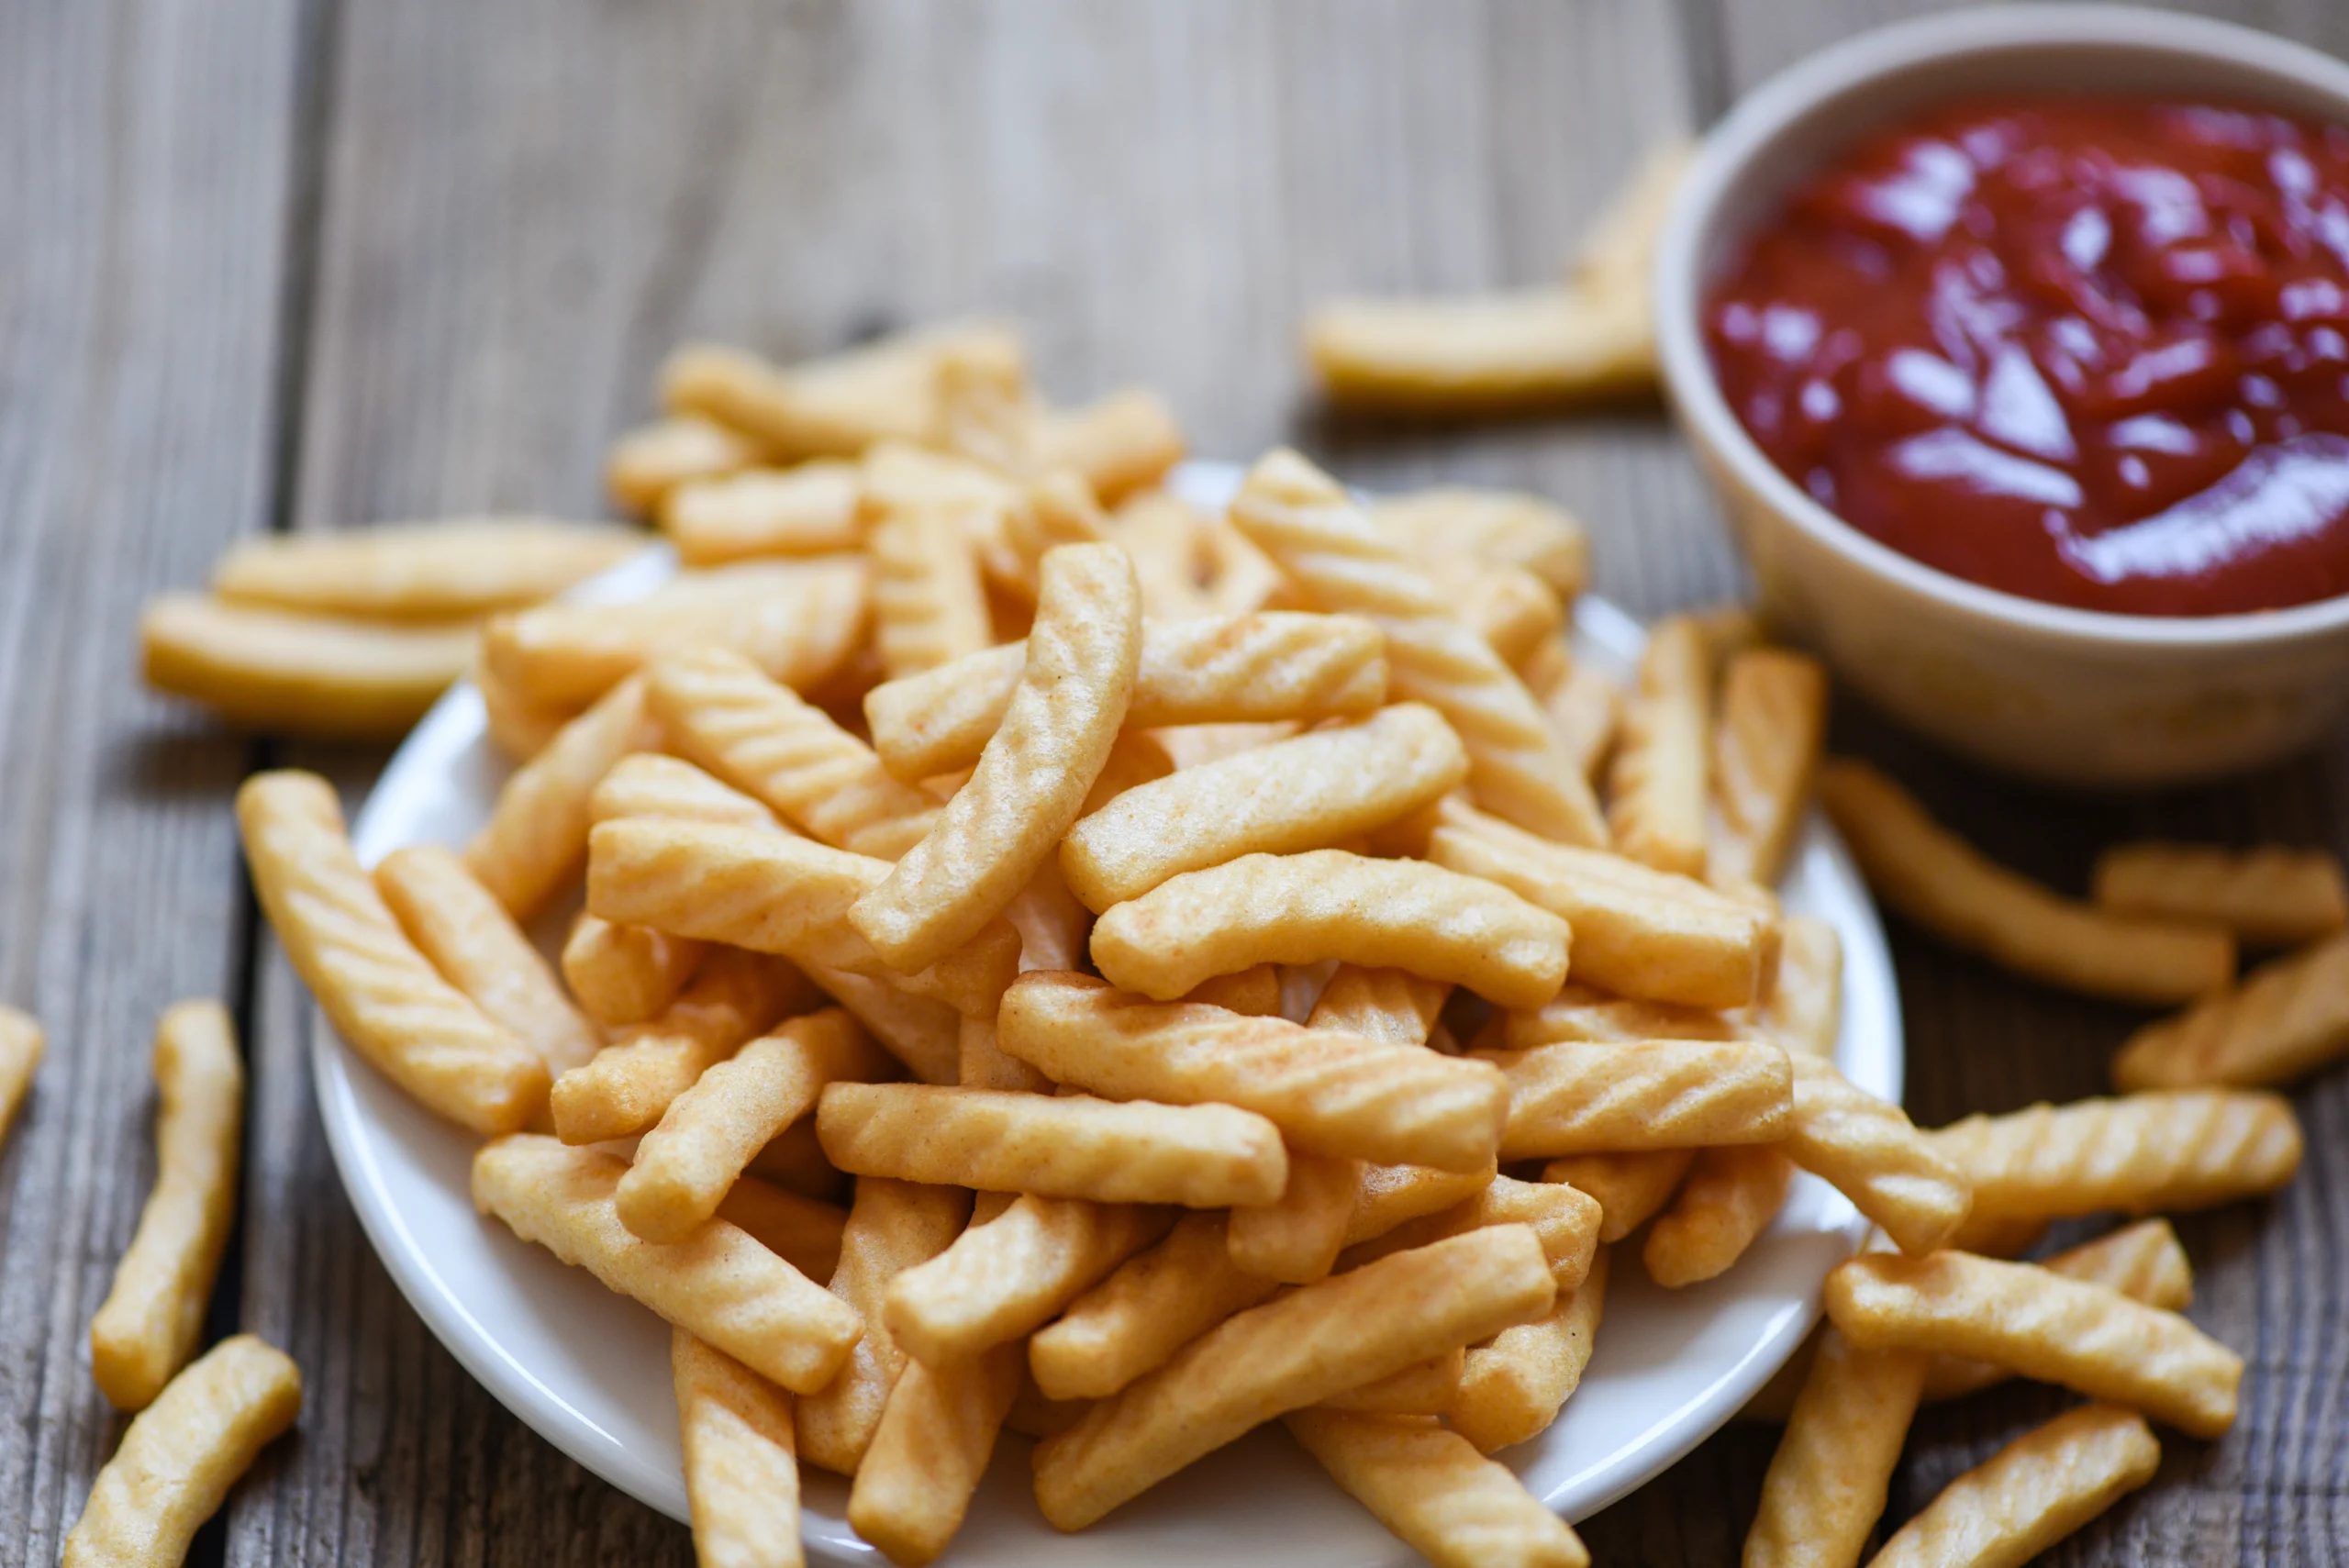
527,202
143,161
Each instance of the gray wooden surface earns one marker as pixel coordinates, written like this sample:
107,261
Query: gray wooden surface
299,263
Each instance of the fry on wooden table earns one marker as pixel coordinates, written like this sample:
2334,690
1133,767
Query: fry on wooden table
2288,1017
2164,1150
444,570
2142,1262
2030,1494
259,667
2269,897
1868,1149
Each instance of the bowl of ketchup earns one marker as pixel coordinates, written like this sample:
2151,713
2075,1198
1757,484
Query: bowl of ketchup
2016,342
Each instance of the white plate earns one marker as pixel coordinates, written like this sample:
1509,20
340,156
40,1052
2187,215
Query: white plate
589,1370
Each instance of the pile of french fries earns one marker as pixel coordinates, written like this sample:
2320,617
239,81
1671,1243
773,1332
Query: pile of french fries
1056,958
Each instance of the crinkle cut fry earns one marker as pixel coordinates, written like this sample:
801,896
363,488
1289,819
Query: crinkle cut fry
537,834
1868,1148
2031,1494
1577,1098
2144,1261
2288,1017
2270,896
741,1476
1155,1303
1513,1386
1431,1488
1656,796
1727,1198
1011,1273
1826,1484
1767,742
2165,1150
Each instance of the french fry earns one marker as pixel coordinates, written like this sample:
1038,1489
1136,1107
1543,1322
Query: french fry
1766,745
741,1476
1576,1098
807,511
1728,1197
1007,1276
2288,1017
1630,1188
179,1456
649,783
537,834
1500,528
462,928
519,728
1510,608
1152,1304
1826,1484
1638,931
1316,790
835,406
798,620
716,1125
1937,880
1663,759
1241,577
153,1315
632,1082
1481,353
625,975
1513,1386
1580,1012
1296,1238
1338,558
982,1063
1424,1388
722,712
2144,1261
1204,1156
1303,1348
1617,254
1167,538
1585,709
718,1284
22,1042
1390,1005
1563,1220
927,606
770,891
646,464
1120,443
1804,1010
2030,1494
2270,896
1329,1093
892,1227
383,998
1868,1150
1390,1196
1057,508
1228,669
2160,1151
1432,1489
923,1034
936,1435
421,571
1329,904
2088,1338
259,667
1034,774
803,1231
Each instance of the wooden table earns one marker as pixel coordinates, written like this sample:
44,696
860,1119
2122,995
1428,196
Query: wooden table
283,264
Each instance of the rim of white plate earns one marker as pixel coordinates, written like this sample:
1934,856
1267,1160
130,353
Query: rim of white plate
382,1144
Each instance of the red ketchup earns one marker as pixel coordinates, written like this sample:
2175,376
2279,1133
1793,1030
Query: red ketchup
2093,351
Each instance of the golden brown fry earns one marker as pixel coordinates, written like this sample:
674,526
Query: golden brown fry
1120,443
646,464
1578,1012
1241,577
1728,1197
1766,746
721,710
1167,538
1389,1196
537,835
1010,1273
460,926
2088,1338
2164,1150
384,999
1630,1188
178,1458
1339,558
263,668
1804,1010
925,1035
1868,1150
1827,1482
632,1082
807,511
1566,1222
1035,772
421,571
1315,1343
932,1446
2270,896
1637,931
892,1227
982,1063
1214,669
2288,1017
927,606
713,1129
625,975
1058,508
1936,879
1330,1092
647,783
1581,1098
718,1282
1390,1005
1482,353
1656,784
1513,1386
1500,528
1296,1238
741,1476
1255,992
1329,904
2144,1261
22,1042
1585,709
798,620
1154,1304
835,406
1434,1491
153,1315
2030,1494
520,728
803,1231
1510,608
1203,1156
1316,790
1424,1388
1617,254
